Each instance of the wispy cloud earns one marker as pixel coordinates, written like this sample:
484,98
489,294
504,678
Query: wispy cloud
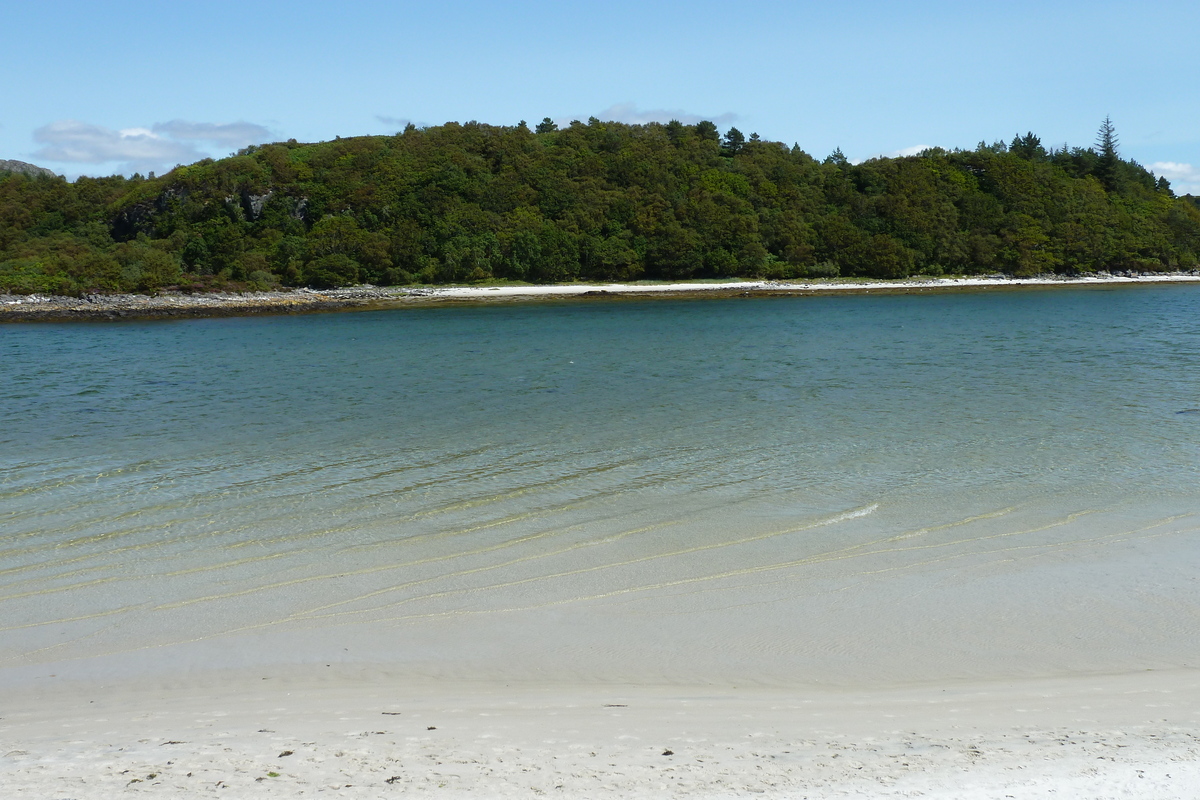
1184,178
399,123
78,142
234,135
140,149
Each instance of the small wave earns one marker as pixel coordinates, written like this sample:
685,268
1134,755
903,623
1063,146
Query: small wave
849,515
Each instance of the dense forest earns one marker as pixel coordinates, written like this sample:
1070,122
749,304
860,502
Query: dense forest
603,201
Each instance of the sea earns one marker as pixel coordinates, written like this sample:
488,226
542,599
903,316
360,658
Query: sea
877,488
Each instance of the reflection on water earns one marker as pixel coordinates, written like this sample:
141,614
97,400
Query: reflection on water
789,488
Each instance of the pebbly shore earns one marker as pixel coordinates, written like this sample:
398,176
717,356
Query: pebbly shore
54,308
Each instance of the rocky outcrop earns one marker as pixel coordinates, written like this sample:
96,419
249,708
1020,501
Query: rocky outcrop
32,170
56,308
139,218
254,203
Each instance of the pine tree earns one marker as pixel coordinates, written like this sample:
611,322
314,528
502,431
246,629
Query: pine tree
708,131
735,140
838,159
675,132
1106,148
1028,147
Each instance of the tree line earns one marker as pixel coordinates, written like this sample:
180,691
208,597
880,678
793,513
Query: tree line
600,201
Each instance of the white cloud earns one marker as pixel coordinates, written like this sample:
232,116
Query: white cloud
1184,178
78,142
127,132
140,149
234,135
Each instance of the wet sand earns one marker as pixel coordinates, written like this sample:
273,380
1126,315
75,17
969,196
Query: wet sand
608,699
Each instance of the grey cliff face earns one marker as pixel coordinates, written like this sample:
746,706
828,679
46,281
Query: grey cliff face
32,170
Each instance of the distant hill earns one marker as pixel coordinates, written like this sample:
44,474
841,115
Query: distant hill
32,170
596,201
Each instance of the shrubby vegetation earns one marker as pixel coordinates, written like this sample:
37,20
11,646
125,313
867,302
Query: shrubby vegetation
596,201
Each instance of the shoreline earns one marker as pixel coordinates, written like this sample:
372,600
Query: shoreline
363,733
44,308
194,621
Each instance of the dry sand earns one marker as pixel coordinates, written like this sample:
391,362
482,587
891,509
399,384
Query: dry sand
803,287
373,736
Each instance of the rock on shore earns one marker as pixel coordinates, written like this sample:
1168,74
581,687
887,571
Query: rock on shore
217,304
33,307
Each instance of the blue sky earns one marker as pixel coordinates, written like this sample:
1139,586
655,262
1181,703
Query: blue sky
95,88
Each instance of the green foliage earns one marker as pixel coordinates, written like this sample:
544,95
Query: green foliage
328,271
597,201
1028,147
1106,149
735,140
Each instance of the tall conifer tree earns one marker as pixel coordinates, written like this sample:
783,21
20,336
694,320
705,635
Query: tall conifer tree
1106,148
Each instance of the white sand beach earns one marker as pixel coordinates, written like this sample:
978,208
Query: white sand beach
368,735
792,286
175,304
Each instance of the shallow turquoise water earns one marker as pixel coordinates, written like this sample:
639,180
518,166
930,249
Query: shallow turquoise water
878,486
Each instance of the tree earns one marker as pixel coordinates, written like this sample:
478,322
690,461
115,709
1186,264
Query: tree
1028,147
546,126
675,132
1106,148
837,158
707,130
735,140
329,272
608,201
